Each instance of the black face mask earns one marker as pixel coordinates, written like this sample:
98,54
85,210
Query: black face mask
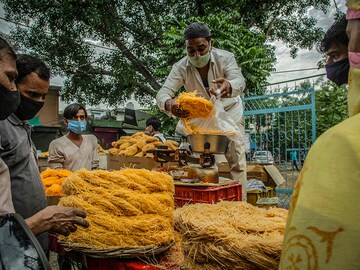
28,108
338,72
9,101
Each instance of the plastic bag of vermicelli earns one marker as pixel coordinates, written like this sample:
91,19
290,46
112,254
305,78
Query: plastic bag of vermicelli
215,121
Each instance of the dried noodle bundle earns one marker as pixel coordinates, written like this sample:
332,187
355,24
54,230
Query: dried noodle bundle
198,107
231,235
130,208
52,180
137,145
192,129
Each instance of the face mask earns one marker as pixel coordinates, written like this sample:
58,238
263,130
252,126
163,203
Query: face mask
338,72
200,61
28,108
76,126
9,101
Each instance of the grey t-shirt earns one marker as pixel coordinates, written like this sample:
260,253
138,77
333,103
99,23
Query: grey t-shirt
19,154
6,205
64,154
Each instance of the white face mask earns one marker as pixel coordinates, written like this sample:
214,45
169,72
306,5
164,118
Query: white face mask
200,61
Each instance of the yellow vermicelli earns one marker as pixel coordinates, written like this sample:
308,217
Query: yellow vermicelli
231,235
138,144
52,181
101,150
198,107
191,129
125,209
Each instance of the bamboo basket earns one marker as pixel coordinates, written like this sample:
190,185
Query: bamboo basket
117,252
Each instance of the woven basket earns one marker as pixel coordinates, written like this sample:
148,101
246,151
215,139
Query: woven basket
116,252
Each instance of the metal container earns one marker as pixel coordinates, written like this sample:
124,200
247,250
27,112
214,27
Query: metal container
208,143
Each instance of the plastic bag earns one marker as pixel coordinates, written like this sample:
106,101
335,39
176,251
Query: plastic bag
219,122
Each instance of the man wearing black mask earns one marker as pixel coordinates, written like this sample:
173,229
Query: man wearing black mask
9,100
27,197
33,84
335,46
18,151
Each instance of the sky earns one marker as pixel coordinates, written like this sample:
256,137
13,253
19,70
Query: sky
304,60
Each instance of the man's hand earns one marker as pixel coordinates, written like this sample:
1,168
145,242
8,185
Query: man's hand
171,106
57,219
224,86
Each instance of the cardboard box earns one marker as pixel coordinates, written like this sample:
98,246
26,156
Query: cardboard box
103,160
42,163
53,200
257,171
268,174
121,162
224,170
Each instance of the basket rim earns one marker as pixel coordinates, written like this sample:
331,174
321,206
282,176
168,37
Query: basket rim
116,252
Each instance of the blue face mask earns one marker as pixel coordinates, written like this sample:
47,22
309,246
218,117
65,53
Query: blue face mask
76,126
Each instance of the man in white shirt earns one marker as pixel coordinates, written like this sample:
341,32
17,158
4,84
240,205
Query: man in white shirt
206,69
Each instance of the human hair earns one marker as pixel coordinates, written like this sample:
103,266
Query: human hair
336,34
27,64
154,122
197,30
6,49
71,110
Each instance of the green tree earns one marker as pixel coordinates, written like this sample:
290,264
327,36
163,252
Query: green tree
331,106
145,39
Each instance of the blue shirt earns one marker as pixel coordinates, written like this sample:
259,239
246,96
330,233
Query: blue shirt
293,155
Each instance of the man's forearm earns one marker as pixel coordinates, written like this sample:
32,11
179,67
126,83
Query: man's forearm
38,224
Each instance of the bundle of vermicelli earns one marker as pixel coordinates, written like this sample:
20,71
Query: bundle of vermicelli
192,129
101,150
44,154
231,235
130,208
52,180
198,107
137,145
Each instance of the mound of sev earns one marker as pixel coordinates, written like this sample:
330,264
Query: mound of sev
198,107
138,144
130,208
52,180
230,235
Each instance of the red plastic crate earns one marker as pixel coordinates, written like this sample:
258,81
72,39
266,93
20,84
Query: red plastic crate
197,194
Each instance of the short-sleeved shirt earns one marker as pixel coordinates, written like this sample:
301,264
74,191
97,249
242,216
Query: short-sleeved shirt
161,137
6,205
19,153
64,154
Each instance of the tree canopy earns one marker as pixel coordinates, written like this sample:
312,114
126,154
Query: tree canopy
109,50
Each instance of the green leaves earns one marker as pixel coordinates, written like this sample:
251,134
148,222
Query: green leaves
140,40
331,106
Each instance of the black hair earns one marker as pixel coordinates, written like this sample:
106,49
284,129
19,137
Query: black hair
5,47
154,122
336,34
71,110
197,30
27,64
